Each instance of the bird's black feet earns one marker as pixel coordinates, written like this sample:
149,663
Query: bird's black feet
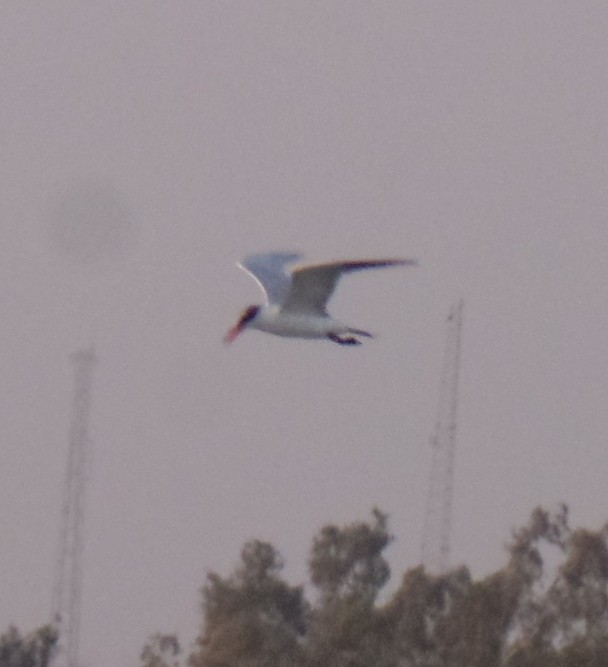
343,340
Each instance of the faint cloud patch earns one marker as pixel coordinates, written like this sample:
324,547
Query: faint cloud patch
92,223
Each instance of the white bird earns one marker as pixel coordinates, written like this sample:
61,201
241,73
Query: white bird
296,296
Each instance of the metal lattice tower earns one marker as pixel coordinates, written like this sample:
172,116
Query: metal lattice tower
67,591
437,524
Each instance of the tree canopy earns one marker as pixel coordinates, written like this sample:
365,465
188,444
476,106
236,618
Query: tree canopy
548,606
32,650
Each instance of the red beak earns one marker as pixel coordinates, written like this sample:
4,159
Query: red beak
233,333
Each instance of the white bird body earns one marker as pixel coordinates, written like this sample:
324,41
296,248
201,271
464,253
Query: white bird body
297,295
293,325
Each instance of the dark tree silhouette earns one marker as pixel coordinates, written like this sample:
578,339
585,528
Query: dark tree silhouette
547,607
33,650
253,617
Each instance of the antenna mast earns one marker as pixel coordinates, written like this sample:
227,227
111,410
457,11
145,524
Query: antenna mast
67,592
437,524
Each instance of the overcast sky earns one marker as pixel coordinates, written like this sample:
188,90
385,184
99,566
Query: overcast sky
147,146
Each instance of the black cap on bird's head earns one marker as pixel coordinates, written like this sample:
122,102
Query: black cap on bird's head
248,315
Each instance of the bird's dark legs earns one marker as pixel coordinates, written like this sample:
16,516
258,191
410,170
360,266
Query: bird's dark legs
343,340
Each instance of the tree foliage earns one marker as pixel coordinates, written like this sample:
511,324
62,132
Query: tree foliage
252,618
348,569
32,650
547,607
161,651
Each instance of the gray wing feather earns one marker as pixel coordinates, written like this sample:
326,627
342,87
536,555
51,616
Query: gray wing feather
269,271
313,285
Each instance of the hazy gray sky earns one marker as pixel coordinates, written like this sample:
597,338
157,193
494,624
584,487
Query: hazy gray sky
147,146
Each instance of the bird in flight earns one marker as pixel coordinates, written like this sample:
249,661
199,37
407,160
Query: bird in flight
297,294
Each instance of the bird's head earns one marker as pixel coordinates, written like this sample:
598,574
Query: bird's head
246,318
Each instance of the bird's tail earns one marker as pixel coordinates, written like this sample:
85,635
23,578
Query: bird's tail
360,332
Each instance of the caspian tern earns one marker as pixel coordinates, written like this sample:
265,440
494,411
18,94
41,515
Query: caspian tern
296,296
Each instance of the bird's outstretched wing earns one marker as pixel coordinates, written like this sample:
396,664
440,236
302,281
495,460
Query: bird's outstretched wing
269,271
313,284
